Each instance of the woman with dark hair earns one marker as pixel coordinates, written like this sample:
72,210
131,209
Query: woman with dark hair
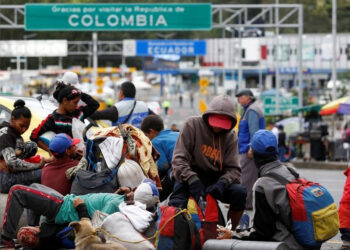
15,170
60,121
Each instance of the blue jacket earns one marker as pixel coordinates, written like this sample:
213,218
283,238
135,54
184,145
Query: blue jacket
252,120
165,142
124,107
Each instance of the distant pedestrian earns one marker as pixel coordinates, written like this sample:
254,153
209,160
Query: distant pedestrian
191,99
281,143
166,106
174,127
180,100
271,126
344,213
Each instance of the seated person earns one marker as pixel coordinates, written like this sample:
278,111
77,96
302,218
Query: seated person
272,217
53,175
13,150
164,141
206,159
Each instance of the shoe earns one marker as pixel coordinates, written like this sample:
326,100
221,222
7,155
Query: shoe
243,222
27,237
7,243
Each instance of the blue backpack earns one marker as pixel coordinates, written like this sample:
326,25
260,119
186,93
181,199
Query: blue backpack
314,213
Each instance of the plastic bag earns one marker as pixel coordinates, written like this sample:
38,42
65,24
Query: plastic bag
77,132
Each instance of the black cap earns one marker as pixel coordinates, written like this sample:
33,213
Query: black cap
245,92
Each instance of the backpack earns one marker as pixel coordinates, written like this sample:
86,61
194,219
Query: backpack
314,213
176,229
206,215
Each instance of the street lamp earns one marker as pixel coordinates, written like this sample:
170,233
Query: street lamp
232,30
25,37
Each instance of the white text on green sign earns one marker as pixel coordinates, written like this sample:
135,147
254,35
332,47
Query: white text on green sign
95,17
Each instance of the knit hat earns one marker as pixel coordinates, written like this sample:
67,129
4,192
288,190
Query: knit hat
147,193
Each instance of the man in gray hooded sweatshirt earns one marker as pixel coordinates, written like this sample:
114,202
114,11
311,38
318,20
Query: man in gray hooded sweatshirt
272,216
206,160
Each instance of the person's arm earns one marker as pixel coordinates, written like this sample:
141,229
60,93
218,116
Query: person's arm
81,208
16,164
46,125
181,163
91,105
230,158
253,122
110,114
42,145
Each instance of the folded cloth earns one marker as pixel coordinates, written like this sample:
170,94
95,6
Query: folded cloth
111,149
139,217
71,172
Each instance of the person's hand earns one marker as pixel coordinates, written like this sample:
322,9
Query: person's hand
224,233
42,162
197,190
127,191
123,190
77,201
216,190
18,152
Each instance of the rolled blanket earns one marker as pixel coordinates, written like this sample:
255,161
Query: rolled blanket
144,150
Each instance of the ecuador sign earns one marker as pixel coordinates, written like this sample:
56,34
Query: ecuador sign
164,47
98,17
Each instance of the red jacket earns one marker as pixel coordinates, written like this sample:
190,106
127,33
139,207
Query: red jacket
53,175
344,208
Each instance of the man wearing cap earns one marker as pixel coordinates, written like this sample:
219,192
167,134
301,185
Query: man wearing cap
205,159
272,213
251,121
127,110
53,175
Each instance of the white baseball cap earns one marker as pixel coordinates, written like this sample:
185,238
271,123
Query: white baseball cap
70,77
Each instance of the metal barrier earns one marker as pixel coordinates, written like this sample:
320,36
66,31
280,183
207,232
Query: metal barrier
243,245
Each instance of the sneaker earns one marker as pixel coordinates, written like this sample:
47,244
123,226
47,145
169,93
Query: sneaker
7,243
243,222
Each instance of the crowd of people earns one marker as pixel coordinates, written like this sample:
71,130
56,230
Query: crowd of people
205,157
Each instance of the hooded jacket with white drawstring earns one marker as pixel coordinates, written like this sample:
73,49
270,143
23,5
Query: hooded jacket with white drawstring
199,149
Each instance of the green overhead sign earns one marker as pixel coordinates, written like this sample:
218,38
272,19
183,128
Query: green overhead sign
285,104
118,17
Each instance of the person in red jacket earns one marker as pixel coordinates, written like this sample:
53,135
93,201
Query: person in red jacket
344,213
53,175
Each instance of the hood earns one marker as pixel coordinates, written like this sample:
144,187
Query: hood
222,105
